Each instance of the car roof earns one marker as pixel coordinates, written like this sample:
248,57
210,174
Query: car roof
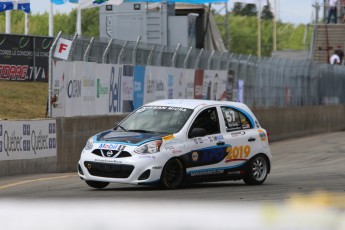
194,103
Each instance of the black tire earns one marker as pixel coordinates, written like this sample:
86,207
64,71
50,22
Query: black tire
257,170
172,174
97,184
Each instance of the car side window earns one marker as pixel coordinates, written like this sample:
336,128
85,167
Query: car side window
208,120
235,120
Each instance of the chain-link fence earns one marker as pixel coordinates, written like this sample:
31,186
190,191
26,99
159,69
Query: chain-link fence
268,82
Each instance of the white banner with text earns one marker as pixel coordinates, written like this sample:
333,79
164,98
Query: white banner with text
27,139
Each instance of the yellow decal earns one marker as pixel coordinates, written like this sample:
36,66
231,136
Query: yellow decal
237,153
169,137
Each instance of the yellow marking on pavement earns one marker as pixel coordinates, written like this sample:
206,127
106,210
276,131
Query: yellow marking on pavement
34,180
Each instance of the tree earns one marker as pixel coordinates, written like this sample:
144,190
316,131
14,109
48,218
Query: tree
249,10
266,13
237,10
244,9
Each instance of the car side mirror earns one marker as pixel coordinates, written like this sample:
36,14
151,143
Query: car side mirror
197,132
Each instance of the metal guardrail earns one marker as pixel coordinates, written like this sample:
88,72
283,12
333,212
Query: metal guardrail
269,82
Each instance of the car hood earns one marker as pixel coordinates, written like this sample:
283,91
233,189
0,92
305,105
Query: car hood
127,137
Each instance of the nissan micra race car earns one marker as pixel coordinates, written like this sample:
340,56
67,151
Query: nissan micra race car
173,142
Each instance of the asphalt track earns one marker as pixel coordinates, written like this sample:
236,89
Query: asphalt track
300,167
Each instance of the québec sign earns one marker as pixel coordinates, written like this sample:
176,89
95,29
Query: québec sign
62,49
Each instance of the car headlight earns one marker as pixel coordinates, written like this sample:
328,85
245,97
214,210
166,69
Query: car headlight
89,144
149,147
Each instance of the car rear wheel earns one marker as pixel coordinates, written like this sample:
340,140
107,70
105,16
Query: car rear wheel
97,184
172,174
258,170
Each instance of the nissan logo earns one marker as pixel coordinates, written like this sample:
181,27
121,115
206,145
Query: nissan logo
109,153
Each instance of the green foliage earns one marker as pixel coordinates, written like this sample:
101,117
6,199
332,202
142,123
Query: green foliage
39,23
243,32
241,9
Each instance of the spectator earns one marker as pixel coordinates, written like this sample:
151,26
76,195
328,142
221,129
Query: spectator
334,59
332,11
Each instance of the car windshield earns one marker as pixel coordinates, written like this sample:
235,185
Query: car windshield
158,119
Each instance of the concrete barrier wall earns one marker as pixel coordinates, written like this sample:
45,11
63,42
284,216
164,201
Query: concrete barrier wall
284,123
72,134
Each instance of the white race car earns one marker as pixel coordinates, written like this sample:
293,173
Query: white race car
172,142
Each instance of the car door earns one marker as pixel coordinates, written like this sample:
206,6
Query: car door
240,134
207,146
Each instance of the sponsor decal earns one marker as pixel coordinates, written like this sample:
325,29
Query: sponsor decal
236,134
201,140
111,147
257,124
262,135
176,151
157,167
162,108
14,72
195,156
171,148
108,161
101,90
236,172
168,138
147,157
52,128
207,172
209,155
237,153
74,89
114,91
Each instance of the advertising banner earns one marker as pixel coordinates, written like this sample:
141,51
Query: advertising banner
82,89
156,84
24,58
215,85
27,139
139,82
85,88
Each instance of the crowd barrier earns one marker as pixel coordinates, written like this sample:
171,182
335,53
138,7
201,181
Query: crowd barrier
73,132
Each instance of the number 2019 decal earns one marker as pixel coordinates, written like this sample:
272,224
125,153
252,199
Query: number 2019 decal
236,153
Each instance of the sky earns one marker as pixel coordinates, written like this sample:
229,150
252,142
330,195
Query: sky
289,11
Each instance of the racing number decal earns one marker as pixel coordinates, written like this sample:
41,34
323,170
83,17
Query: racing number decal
237,153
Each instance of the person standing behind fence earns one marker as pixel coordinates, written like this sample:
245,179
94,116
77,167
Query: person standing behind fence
332,11
334,59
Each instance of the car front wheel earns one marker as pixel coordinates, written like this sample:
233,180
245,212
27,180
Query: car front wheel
172,174
258,170
97,184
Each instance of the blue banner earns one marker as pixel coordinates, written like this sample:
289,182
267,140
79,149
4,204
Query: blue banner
6,6
58,2
24,7
139,81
